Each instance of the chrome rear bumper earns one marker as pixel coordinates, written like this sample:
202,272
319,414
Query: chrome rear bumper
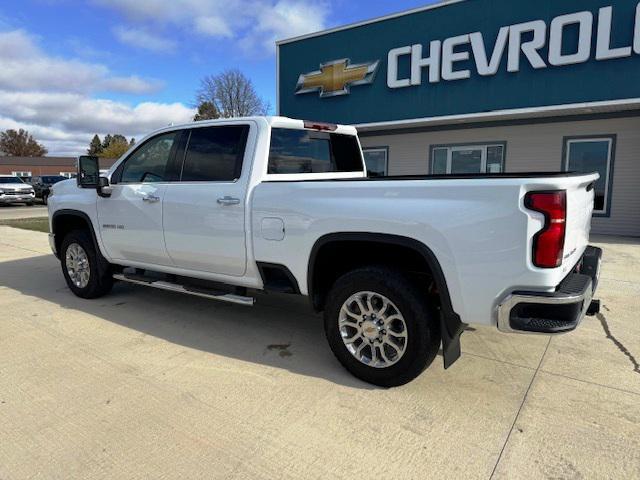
557,312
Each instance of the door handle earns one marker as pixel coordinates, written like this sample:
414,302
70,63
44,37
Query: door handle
151,199
228,201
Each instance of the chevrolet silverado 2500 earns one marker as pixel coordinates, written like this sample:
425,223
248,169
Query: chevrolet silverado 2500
398,265
14,190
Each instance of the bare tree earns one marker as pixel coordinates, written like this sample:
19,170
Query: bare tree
229,94
20,144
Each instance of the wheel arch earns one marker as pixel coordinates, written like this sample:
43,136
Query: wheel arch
66,220
450,322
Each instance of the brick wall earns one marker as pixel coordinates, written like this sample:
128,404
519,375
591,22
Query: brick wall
7,169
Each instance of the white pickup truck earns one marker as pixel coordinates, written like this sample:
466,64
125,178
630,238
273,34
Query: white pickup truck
398,265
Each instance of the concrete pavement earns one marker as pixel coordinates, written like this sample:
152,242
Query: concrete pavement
22,211
149,384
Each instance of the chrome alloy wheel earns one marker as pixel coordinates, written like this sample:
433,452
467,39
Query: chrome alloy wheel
78,267
373,329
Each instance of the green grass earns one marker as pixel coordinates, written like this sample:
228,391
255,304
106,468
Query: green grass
36,224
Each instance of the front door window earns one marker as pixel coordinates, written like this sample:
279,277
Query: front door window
149,163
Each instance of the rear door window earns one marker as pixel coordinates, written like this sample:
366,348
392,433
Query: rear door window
215,154
308,151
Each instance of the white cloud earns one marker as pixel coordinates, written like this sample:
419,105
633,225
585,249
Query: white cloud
25,67
51,97
254,24
58,143
132,84
285,19
143,39
213,27
66,122
159,10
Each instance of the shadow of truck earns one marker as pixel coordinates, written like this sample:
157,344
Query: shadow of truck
280,331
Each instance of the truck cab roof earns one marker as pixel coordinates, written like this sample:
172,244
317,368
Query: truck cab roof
262,127
270,121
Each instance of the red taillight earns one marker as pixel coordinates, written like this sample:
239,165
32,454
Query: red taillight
548,243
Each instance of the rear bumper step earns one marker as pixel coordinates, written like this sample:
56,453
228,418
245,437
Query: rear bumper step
557,312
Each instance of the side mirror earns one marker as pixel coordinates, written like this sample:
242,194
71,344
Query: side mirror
88,171
104,188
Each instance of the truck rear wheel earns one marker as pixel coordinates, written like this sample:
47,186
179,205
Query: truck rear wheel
379,326
86,271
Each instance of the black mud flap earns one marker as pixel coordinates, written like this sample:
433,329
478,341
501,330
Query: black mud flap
451,329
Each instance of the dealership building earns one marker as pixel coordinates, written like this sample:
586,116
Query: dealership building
485,86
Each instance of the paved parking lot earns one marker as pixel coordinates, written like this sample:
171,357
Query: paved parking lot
148,384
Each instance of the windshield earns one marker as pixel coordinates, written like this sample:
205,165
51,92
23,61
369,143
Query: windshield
10,180
53,179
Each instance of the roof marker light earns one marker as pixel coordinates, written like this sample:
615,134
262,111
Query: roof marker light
330,127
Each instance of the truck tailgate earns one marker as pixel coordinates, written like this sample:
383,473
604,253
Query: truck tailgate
580,199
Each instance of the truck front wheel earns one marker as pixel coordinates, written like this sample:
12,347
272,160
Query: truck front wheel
86,271
379,326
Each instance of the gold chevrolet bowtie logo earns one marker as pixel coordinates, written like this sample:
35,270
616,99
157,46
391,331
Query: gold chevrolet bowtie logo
335,78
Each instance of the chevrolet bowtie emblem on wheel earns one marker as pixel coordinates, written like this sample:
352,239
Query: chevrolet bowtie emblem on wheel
336,77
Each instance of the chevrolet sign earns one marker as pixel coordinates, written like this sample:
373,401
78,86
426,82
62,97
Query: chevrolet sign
334,78
441,61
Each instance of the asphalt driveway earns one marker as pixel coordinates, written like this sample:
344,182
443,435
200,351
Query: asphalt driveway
149,384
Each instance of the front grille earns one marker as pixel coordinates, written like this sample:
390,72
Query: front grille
18,192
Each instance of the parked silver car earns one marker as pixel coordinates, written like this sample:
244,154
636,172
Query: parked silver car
14,190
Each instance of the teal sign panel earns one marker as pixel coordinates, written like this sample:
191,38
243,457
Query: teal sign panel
465,57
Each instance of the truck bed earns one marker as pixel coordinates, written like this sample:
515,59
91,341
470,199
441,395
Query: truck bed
477,226
466,176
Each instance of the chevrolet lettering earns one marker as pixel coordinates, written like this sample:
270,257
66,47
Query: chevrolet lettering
520,42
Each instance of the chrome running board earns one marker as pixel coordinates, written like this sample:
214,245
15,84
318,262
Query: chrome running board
198,292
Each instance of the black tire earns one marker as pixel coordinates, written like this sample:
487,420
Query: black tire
422,326
100,275
29,204
45,197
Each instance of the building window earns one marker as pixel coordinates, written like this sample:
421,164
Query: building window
593,154
68,174
463,159
21,174
376,159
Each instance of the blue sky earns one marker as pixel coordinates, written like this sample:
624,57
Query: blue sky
70,69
